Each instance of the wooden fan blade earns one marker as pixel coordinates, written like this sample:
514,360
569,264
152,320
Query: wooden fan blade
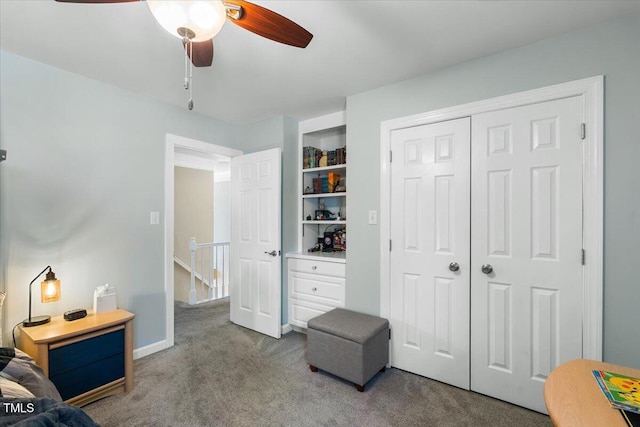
269,24
96,1
202,53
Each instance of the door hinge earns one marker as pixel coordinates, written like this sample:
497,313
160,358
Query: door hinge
584,255
389,245
390,156
583,131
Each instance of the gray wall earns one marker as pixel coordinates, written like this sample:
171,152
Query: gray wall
612,50
85,167
290,168
222,211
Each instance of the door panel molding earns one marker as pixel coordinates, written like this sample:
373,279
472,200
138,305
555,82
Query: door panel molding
591,91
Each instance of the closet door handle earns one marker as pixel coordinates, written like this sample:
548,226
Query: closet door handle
487,268
454,266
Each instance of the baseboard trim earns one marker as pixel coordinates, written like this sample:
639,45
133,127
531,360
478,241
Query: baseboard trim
299,329
286,328
149,349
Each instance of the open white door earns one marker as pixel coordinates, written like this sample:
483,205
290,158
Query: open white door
255,242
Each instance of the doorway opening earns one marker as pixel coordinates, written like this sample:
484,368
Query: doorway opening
202,227
197,159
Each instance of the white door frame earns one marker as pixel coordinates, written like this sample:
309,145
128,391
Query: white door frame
173,142
591,89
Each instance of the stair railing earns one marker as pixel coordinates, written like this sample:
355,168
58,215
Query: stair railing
212,273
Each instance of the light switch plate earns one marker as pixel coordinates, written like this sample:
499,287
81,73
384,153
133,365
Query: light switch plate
155,217
373,217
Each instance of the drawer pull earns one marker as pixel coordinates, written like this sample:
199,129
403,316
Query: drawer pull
314,289
314,267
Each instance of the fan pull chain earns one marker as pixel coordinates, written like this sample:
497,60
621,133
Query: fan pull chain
186,63
190,76
188,70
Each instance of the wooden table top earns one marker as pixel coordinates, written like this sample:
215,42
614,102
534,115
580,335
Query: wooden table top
59,328
573,397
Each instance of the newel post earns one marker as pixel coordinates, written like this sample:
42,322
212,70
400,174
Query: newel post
192,293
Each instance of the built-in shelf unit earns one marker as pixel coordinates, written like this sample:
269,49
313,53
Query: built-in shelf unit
317,279
322,187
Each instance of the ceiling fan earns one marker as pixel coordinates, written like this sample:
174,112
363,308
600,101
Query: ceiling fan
196,22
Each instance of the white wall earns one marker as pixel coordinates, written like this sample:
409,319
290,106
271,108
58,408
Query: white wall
85,167
610,49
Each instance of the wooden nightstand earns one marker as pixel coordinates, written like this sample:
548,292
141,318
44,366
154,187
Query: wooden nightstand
87,359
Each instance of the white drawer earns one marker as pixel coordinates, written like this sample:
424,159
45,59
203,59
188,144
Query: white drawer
323,268
300,312
325,289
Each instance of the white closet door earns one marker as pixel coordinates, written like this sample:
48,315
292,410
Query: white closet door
429,307
526,224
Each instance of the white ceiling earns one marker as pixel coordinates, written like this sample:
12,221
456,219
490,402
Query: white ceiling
358,45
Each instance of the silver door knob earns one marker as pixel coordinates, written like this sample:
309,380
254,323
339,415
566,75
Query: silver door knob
272,253
487,268
454,266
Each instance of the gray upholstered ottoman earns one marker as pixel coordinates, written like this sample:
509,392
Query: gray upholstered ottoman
350,345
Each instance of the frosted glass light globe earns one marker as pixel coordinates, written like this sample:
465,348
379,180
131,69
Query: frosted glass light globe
204,18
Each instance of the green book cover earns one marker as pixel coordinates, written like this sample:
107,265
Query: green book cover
624,391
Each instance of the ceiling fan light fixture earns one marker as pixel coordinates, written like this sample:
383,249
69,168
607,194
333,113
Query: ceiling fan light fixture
204,18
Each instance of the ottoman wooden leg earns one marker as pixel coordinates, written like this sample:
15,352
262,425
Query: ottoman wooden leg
360,388
313,368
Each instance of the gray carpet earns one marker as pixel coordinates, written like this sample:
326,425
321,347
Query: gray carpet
220,374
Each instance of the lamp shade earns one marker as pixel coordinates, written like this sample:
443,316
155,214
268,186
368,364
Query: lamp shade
50,291
199,20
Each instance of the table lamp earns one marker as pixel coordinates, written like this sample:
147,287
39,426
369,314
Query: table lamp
49,292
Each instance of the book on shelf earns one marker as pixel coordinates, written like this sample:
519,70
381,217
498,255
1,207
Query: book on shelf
317,185
313,157
622,391
341,156
331,158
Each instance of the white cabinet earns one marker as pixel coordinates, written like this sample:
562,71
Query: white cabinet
316,285
316,280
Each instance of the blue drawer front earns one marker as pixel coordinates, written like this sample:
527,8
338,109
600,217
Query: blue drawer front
87,352
88,377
